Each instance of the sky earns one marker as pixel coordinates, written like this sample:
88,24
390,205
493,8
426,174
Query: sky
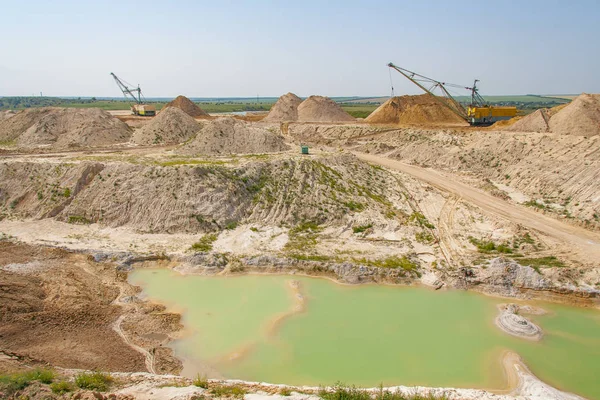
334,48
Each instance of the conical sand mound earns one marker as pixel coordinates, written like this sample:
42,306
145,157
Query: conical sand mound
285,109
232,136
422,109
581,117
322,109
535,122
171,125
64,128
188,106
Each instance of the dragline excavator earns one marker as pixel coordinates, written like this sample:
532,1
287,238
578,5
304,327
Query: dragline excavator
139,108
478,112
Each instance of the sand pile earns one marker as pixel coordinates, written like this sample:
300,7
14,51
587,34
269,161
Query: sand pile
6,114
63,128
537,121
581,117
422,109
232,136
188,106
285,109
322,109
172,125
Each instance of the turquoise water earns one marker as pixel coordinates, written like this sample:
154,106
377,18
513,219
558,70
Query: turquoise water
244,328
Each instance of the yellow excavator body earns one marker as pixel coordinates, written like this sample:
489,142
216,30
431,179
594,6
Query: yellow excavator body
144,110
489,115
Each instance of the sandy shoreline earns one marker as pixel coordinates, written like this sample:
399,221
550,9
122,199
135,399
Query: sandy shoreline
523,385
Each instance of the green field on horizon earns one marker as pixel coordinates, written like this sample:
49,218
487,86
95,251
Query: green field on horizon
352,105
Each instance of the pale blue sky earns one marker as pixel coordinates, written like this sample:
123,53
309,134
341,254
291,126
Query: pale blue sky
334,48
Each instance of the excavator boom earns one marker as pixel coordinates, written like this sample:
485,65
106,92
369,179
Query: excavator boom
138,108
477,113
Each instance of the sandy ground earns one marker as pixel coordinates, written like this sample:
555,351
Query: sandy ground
60,288
585,245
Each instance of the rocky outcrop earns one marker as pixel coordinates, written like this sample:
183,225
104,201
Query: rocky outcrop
347,272
507,278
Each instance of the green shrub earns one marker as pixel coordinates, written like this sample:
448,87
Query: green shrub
228,391
302,237
535,204
424,237
231,225
13,382
361,228
390,262
306,226
78,219
62,387
536,263
421,220
43,375
93,381
201,381
285,391
67,193
353,206
489,246
342,392
205,243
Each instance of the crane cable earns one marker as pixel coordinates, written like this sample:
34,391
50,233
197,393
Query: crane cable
391,82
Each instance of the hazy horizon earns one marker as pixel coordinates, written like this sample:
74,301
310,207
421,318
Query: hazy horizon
267,48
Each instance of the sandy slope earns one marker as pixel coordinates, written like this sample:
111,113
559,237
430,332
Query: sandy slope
585,244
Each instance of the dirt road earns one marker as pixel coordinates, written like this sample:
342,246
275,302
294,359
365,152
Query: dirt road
585,244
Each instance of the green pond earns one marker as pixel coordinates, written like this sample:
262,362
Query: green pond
255,328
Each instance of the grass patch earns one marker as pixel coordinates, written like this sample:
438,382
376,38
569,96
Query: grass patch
420,220
359,114
547,262
526,238
285,391
201,381
231,225
424,237
487,246
205,243
535,204
390,262
343,392
11,383
361,228
98,381
8,143
353,206
79,219
302,237
61,387
228,391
